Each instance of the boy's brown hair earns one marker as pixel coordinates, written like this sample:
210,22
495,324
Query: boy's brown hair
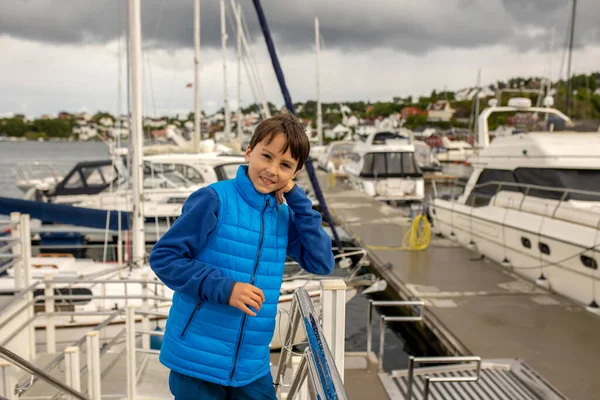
292,128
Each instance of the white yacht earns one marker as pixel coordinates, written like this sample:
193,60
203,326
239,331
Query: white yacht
335,155
532,204
168,180
454,150
384,167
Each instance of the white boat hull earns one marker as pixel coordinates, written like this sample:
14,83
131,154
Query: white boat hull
390,189
519,240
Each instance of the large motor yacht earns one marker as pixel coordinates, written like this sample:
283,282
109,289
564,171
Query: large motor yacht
532,203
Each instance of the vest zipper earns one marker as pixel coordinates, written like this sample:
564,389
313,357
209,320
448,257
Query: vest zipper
189,322
242,326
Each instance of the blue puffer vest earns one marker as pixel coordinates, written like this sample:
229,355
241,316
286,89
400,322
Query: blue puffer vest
220,343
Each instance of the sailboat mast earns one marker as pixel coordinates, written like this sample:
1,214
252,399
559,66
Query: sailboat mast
135,47
224,49
569,80
197,76
319,111
240,31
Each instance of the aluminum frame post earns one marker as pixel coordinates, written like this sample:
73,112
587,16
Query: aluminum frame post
300,372
93,365
145,307
25,232
131,353
72,376
333,319
49,308
17,250
8,383
289,337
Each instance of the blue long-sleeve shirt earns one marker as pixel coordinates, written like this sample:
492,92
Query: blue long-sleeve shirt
172,258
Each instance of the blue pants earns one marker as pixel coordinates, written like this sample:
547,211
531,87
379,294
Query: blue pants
187,388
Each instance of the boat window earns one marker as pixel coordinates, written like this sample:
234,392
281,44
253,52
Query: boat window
74,181
408,164
389,165
188,172
379,164
227,171
578,179
484,190
582,179
341,150
93,176
394,163
109,173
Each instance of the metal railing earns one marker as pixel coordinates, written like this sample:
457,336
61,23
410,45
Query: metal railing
38,171
131,349
440,360
32,369
526,188
318,363
18,313
419,305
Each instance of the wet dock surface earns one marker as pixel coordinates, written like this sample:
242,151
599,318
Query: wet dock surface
475,306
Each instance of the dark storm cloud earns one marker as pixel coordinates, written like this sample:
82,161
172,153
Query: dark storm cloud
411,26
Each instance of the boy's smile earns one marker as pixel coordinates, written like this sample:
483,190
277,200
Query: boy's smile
269,169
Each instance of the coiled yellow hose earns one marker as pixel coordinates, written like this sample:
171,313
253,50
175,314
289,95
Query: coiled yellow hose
417,238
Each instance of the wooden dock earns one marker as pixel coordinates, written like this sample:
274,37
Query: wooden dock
474,306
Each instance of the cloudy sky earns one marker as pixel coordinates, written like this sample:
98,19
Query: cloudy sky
70,54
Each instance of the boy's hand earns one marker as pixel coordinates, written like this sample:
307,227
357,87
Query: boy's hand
279,194
244,295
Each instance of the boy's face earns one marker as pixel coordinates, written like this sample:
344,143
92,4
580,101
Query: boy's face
268,168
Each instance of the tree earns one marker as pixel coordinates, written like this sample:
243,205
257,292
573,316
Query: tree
13,127
415,121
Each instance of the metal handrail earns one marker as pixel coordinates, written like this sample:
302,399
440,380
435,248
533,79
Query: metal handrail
317,361
37,372
61,356
7,224
395,303
538,187
8,246
440,360
10,264
107,297
529,186
17,296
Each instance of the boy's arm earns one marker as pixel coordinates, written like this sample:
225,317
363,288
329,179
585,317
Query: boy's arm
308,243
172,258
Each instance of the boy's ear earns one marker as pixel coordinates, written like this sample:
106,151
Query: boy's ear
247,154
296,173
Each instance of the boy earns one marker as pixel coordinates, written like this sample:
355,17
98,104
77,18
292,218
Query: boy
224,258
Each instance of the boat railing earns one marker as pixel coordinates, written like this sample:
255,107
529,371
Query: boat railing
418,309
10,359
323,360
17,315
439,379
37,171
561,195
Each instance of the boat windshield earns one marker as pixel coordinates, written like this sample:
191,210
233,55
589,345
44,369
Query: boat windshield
390,165
227,171
160,176
562,179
